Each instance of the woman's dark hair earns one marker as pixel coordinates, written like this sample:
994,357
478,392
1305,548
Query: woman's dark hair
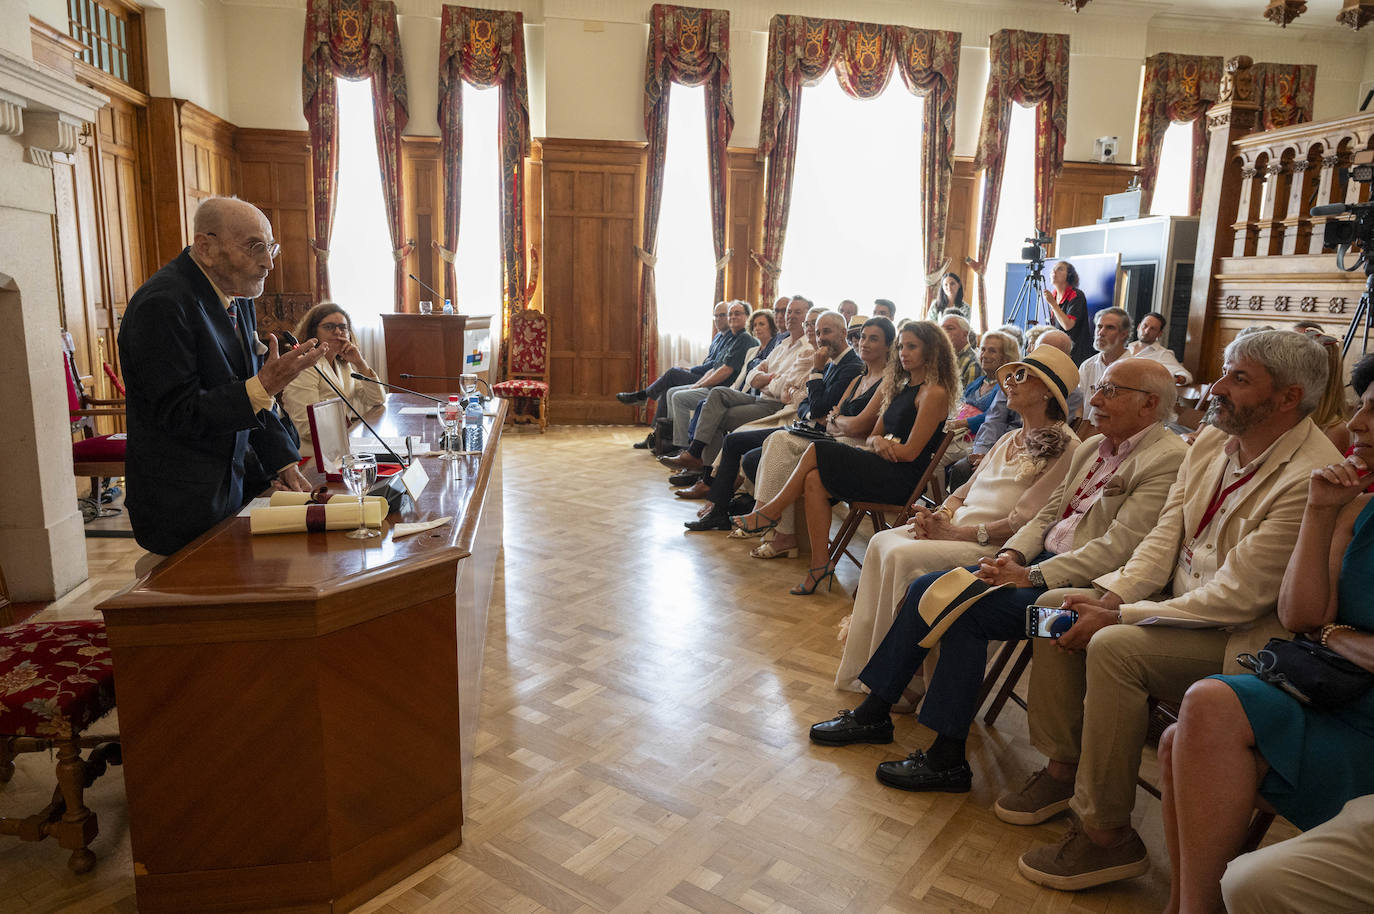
1054,411
310,323
883,324
767,316
1362,375
943,302
1070,274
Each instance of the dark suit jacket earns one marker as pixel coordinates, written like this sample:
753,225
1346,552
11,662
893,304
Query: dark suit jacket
191,426
823,394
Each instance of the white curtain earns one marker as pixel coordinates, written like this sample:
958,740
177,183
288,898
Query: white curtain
1173,187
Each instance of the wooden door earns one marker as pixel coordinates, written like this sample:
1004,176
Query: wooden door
121,208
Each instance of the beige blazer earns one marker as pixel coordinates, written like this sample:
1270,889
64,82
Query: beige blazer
1253,540
1116,523
307,388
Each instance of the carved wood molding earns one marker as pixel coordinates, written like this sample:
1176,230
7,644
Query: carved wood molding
1356,13
1283,12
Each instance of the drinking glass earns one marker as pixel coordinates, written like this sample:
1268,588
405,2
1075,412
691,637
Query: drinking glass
450,426
359,474
426,306
467,383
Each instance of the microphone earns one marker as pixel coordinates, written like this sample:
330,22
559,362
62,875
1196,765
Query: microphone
290,339
433,291
406,390
444,377
1330,209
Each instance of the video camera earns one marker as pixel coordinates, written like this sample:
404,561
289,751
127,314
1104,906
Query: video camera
1342,233
1034,251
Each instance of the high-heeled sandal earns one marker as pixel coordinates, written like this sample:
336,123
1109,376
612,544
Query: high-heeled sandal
769,551
803,591
741,522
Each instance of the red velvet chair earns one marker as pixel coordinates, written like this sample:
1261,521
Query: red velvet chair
527,381
56,680
98,457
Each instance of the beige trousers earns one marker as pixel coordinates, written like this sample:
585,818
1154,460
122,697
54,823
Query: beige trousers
1326,869
1091,707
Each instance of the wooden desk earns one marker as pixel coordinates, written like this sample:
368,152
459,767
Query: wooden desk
298,711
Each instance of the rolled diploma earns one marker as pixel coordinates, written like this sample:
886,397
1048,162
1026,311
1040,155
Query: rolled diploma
293,518
285,499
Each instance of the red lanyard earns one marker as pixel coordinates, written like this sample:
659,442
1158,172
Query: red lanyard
1084,492
1217,499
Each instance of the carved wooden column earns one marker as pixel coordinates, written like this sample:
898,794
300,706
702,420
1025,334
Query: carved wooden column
1270,228
534,222
1231,117
1324,179
1297,224
1245,227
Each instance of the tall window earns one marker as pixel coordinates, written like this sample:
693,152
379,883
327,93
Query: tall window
478,260
1174,181
361,271
1015,213
685,275
854,229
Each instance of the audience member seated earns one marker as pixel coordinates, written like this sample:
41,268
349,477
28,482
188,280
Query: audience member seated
329,324
1009,488
778,380
916,398
884,308
995,350
1107,502
763,327
1069,307
950,300
1149,345
683,399
850,422
848,310
1032,335
1331,413
1022,337
1206,578
835,365
1113,330
1239,738
956,327
856,329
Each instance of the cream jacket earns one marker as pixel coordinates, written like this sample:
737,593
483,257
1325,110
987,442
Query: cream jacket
307,388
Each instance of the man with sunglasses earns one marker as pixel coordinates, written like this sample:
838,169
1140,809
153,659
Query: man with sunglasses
202,431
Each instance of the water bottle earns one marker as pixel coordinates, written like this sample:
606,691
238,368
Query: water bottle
472,425
448,306
452,413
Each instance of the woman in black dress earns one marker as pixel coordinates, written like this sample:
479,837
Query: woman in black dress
1069,306
917,394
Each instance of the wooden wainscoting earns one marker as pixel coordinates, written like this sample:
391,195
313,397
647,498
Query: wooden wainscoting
194,150
744,225
593,204
423,186
1079,191
274,175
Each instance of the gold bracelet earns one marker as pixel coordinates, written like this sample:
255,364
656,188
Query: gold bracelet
1330,627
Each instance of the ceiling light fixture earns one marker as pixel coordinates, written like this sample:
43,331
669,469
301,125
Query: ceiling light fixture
1076,4
1284,11
1356,13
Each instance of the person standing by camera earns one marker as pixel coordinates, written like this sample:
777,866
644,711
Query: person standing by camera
1070,309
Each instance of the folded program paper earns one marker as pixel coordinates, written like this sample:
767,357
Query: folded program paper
309,518
401,530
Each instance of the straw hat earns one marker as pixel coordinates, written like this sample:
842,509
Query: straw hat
946,599
1051,365
858,321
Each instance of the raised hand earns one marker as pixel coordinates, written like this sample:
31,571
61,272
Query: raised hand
1336,485
281,368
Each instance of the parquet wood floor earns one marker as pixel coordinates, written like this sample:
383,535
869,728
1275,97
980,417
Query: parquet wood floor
643,743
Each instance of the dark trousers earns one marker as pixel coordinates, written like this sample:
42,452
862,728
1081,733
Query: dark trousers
673,377
952,694
732,453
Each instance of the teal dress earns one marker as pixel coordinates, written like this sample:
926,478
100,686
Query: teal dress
1318,759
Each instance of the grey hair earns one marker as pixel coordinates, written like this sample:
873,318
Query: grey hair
832,316
964,325
1290,358
1161,384
1126,323
1034,334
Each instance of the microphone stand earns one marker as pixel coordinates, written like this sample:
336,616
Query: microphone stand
405,390
432,291
443,377
290,340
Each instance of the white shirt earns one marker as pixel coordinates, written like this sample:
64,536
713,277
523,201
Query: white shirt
1157,352
1090,373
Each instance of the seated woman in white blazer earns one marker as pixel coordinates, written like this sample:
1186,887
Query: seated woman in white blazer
329,324
1008,488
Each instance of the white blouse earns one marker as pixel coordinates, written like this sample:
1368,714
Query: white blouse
308,388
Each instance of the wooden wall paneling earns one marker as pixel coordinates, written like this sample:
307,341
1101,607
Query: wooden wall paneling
194,150
744,225
1079,191
422,180
593,205
273,169
961,238
534,224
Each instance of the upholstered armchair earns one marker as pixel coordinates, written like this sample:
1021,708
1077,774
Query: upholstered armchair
527,383
98,457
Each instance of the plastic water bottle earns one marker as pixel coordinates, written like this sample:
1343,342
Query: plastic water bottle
448,306
472,425
452,413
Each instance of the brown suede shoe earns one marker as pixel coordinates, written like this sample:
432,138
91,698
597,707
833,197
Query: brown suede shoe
1076,863
683,460
1042,797
700,490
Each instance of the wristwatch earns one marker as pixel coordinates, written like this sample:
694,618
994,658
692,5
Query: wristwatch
1037,577
983,538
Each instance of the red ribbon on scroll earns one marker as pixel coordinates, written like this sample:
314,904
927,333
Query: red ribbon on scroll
314,519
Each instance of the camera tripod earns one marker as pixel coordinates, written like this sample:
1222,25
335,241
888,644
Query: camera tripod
1030,298
1363,315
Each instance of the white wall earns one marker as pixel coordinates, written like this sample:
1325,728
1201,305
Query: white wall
265,45
189,37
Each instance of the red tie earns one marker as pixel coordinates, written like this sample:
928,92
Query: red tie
233,313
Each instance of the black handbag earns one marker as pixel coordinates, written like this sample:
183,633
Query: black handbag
1312,673
809,431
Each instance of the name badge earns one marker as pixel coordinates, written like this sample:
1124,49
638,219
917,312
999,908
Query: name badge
1185,559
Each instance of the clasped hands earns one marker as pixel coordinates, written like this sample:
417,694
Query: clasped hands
1095,611
932,525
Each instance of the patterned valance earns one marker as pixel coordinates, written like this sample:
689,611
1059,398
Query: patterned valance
689,46
801,51
1179,88
1284,94
486,48
353,39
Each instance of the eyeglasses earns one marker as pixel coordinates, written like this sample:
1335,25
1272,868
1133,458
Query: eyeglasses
1017,376
1109,391
258,248
334,328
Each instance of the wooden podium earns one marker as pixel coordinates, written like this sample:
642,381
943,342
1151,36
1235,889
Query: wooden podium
425,344
298,711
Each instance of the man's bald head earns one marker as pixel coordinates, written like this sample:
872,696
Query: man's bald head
831,328
1143,394
233,244
1058,339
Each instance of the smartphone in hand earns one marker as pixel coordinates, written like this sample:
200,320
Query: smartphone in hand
1048,621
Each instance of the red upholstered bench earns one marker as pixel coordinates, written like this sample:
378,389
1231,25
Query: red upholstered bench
56,679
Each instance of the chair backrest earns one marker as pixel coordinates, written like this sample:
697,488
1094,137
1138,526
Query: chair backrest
529,345
931,468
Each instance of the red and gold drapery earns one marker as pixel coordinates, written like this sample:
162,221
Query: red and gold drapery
1284,94
353,39
1029,68
690,46
801,51
1179,88
486,48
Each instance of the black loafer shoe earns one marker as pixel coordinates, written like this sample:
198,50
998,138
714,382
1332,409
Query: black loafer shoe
631,397
646,444
716,520
914,773
845,730
685,478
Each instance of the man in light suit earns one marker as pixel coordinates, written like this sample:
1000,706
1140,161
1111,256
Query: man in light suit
199,389
1109,499
1200,588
